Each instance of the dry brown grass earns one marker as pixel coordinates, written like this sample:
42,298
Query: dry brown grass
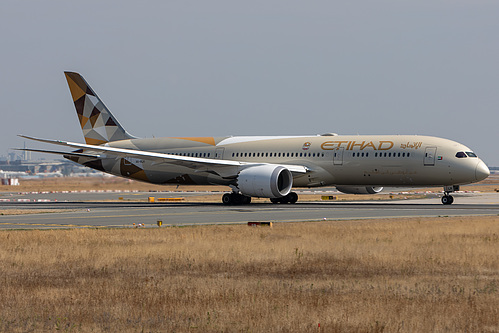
97,183
399,275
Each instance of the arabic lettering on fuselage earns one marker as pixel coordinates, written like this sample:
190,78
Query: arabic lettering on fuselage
408,145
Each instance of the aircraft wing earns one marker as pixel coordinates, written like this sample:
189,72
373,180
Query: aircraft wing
222,167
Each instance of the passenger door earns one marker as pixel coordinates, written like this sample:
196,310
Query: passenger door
338,156
429,156
219,153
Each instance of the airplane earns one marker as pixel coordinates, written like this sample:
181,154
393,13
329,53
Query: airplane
266,166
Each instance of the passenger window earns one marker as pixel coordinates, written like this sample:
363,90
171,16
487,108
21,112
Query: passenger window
461,154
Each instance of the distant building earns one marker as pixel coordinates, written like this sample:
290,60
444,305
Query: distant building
18,168
9,181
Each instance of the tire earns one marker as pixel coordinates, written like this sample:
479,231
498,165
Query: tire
245,200
292,197
227,199
447,199
237,199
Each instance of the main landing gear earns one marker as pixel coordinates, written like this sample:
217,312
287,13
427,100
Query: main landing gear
235,199
291,198
448,199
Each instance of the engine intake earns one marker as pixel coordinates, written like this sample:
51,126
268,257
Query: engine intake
359,189
265,181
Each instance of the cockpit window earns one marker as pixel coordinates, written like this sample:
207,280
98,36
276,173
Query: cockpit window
461,154
471,154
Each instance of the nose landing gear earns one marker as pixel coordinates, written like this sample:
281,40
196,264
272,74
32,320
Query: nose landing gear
448,199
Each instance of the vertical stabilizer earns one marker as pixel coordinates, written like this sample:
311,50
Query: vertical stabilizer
97,123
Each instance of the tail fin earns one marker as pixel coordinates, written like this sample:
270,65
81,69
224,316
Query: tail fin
97,123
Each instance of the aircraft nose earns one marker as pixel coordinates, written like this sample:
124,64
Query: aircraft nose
481,171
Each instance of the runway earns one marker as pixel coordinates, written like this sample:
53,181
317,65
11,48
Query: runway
78,214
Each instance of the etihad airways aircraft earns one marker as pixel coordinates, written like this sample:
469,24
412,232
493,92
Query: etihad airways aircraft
267,166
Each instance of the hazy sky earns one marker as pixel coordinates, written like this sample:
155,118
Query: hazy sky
216,68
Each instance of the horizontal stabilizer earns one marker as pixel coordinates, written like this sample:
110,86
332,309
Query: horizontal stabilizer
58,152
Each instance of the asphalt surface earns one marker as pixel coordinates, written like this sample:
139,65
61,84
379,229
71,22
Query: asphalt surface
72,212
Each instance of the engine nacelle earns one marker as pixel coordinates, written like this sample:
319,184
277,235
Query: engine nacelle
359,189
265,181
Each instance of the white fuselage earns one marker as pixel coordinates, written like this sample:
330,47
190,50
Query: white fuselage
395,160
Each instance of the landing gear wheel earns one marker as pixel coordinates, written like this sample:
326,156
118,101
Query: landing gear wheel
447,199
227,199
292,197
235,199
245,200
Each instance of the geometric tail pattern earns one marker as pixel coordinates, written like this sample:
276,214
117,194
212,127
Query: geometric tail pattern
97,123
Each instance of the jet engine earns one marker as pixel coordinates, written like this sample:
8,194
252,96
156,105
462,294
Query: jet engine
359,189
265,181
